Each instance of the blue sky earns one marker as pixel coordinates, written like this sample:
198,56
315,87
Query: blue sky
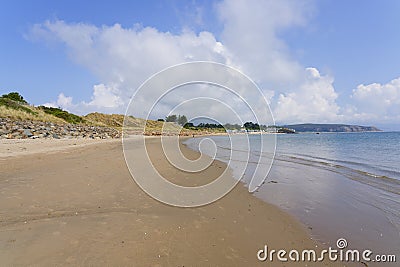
349,43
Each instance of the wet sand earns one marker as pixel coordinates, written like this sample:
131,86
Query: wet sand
79,205
334,207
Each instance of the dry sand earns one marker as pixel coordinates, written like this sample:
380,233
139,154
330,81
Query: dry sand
63,204
23,147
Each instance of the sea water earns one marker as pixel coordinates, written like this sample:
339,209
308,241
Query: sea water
340,185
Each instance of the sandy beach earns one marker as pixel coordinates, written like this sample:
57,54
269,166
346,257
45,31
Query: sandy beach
73,202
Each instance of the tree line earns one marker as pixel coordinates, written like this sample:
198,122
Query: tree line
182,120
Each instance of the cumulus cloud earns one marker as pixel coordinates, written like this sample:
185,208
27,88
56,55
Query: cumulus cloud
123,58
63,101
315,100
377,102
251,31
103,98
118,54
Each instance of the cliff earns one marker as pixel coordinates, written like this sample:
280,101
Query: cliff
310,127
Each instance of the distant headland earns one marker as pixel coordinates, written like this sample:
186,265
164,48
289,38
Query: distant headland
332,128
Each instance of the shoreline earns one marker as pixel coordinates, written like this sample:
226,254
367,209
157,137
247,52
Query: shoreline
331,203
80,206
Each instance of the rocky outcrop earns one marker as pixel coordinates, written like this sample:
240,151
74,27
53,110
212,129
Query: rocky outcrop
11,129
286,130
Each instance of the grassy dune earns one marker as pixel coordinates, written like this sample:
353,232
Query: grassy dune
22,115
16,108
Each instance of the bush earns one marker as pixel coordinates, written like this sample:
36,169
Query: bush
171,118
9,103
65,115
15,96
182,120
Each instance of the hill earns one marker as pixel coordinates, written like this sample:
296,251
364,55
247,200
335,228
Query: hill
17,117
311,127
134,125
18,110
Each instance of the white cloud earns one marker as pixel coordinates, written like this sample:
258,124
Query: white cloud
104,96
50,105
377,102
251,31
315,100
123,58
63,102
119,54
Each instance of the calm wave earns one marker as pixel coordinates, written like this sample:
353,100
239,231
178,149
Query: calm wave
338,184
371,158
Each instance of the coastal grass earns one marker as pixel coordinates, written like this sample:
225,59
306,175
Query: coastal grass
34,115
134,124
62,114
14,107
12,104
17,111
109,120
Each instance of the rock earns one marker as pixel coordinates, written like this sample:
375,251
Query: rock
27,133
33,129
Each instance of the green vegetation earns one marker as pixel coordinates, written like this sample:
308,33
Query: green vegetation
210,126
235,126
15,101
285,130
15,96
251,126
213,127
171,118
65,115
181,120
